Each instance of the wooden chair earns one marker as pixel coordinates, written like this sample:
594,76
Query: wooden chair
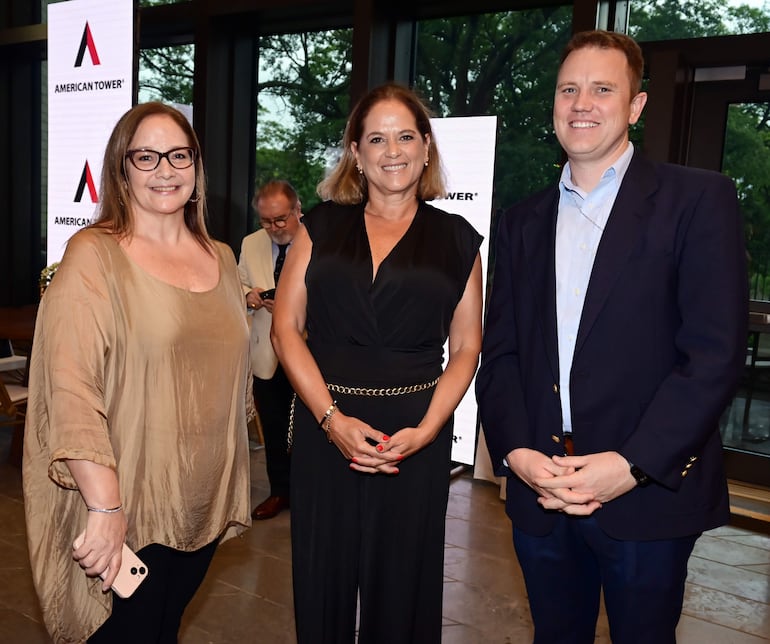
13,409
9,361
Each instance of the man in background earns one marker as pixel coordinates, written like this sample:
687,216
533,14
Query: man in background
262,256
615,337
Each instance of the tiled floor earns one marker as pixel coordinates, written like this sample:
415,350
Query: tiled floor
247,594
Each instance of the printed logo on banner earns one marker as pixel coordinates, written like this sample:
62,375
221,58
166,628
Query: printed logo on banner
86,179
91,57
87,42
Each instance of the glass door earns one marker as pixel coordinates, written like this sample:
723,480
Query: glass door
730,132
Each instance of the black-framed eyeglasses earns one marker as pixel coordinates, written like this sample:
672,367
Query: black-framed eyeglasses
147,160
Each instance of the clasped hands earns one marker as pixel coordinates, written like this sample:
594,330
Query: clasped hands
370,450
577,485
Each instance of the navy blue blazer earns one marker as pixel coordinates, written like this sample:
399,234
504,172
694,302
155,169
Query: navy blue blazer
660,348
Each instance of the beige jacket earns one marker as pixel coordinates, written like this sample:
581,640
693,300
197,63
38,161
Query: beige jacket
255,267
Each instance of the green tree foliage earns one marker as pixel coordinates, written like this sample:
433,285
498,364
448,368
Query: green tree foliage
673,19
677,19
166,74
747,161
304,96
502,64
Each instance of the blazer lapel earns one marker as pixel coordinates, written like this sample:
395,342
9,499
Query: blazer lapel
618,240
539,235
265,258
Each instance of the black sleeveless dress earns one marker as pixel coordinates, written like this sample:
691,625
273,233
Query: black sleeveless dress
377,534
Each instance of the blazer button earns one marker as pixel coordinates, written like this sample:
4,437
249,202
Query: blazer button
555,438
684,473
555,388
693,459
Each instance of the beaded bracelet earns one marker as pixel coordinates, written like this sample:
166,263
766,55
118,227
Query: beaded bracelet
326,421
117,508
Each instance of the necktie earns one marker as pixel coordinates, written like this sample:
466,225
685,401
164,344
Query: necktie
279,261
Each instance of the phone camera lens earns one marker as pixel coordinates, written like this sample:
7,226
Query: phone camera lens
142,570
133,570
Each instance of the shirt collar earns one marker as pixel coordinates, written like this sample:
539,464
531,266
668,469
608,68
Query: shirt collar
616,170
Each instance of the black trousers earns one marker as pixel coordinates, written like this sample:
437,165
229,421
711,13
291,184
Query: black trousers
152,615
373,539
273,399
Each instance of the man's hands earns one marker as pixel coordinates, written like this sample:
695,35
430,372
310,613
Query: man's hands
576,485
255,302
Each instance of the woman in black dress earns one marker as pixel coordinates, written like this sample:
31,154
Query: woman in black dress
379,280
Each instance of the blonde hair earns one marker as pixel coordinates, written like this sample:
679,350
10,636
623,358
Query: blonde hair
345,185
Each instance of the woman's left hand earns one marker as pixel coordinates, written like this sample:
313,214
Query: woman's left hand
393,449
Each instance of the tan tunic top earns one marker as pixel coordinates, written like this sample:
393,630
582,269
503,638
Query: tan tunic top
138,375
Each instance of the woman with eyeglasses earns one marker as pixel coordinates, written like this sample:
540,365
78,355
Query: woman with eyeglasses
136,425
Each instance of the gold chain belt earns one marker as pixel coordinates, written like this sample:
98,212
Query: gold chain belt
360,391
381,391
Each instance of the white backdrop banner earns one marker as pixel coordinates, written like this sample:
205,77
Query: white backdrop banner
90,71
467,148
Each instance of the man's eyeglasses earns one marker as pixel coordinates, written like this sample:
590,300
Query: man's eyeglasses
277,222
147,160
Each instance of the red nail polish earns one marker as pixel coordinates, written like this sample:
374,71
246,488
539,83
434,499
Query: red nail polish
380,448
385,438
400,456
354,459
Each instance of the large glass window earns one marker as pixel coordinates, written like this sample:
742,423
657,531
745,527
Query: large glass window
303,103
675,19
502,64
166,74
746,160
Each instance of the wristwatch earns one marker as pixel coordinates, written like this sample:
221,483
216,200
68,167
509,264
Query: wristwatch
641,478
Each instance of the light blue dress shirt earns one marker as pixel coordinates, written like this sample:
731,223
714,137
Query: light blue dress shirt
581,220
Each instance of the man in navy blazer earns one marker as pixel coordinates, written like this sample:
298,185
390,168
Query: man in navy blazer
615,337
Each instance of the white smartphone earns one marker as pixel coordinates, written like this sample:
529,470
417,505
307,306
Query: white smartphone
133,571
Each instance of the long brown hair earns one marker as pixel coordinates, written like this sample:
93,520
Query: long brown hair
114,208
345,185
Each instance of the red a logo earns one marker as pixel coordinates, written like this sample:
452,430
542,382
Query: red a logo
87,41
86,180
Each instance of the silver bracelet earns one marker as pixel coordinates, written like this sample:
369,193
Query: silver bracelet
117,508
